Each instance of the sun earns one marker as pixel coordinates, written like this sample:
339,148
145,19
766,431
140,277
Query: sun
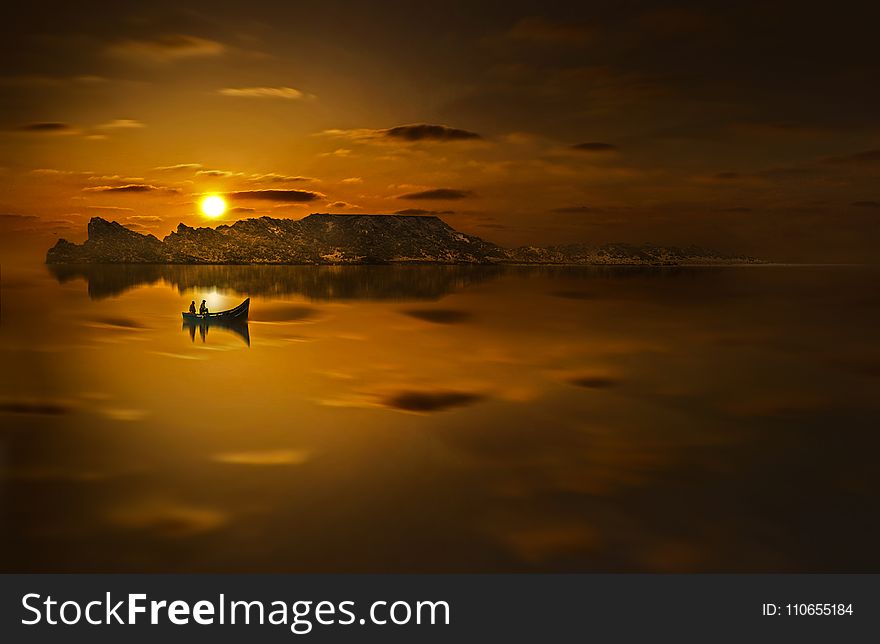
213,206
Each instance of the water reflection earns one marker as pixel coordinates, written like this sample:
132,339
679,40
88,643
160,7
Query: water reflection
328,283
238,327
319,283
515,419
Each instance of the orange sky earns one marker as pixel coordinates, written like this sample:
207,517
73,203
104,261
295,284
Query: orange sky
531,124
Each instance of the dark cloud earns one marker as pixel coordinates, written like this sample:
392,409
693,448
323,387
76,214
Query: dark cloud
242,209
216,173
439,316
13,217
438,194
426,132
406,133
866,204
729,176
859,158
594,146
541,31
574,295
574,209
131,187
431,401
422,211
296,196
48,127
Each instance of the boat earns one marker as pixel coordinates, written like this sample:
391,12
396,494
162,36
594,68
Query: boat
235,320
237,314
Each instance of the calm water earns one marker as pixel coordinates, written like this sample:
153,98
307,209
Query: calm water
441,419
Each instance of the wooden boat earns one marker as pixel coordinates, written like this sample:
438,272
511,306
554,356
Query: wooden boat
237,315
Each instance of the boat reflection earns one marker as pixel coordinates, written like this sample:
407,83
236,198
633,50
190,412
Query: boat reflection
237,327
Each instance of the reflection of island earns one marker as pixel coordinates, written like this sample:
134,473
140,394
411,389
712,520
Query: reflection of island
238,327
390,282
327,283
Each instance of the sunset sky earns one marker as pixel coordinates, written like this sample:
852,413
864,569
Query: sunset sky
749,126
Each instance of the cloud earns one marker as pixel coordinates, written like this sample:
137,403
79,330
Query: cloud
274,177
538,30
859,158
340,152
41,79
438,194
352,180
167,48
178,167
131,187
145,219
242,209
277,195
413,133
426,132
288,93
574,209
47,127
14,217
55,172
422,211
866,204
109,208
115,178
121,124
217,173
343,204
594,146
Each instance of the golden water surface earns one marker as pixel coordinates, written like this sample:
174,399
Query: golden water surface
413,419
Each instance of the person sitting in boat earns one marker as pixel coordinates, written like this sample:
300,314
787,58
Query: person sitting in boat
203,309
192,307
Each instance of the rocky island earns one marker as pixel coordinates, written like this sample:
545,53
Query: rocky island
348,239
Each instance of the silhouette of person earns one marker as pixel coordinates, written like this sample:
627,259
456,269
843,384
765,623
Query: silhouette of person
192,307
203,309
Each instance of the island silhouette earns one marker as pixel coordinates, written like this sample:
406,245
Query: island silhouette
333,239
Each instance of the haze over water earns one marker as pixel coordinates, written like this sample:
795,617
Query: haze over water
437,418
